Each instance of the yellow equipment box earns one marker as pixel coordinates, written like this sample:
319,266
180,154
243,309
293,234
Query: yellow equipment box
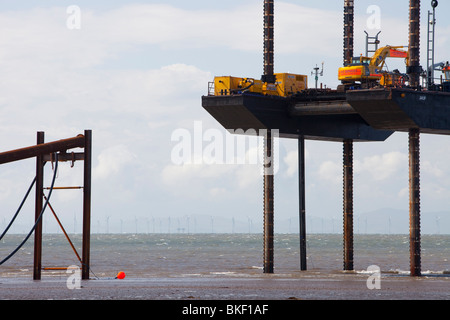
289,84
286,84
225,86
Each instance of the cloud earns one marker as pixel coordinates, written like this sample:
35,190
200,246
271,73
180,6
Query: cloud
432,169
309,24
330,171
104,36
382,167
111,161
291,161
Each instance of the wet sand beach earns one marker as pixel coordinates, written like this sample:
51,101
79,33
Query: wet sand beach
226,267
307,285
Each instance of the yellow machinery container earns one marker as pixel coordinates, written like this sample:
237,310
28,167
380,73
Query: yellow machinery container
286,84
225,86
289,84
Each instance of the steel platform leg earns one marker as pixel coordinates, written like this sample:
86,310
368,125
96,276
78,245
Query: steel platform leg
348,205
414,201
268,203
302,218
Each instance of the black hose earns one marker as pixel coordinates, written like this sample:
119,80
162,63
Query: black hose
40,215
18,210
242,89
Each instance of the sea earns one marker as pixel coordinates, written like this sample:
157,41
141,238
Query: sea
156,255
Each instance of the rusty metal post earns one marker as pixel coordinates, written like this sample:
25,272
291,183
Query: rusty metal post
37,265
414,201
348,31
268,42
268,139
301,187
348,145
268,203
348,205
414,69
87,205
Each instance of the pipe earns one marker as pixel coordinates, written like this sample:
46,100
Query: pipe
321,108
302,206
37,263
86,246
41,149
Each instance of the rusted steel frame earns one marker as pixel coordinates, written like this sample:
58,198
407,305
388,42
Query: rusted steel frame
268,203
414,68
63,157
63,230
348,205
41,149
37,263
86,247
65,188
269,41
414,201
348,31
302,202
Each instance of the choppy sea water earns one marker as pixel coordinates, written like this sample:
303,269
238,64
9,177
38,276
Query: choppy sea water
187,255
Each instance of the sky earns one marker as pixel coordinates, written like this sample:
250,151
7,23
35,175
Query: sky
134,72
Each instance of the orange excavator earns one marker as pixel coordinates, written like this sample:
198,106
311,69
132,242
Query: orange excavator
367,72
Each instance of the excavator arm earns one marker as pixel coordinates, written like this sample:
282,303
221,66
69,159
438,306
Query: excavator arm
379,58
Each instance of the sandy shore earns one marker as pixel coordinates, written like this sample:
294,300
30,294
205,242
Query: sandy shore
307,285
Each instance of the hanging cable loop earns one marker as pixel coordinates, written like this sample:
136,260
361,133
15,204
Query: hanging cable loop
18,209
40,215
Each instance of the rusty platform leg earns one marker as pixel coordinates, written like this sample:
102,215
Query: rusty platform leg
414,69
87,205
37,265
348,205
268,203
414,201
268,41
348,31
269,77
301,189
